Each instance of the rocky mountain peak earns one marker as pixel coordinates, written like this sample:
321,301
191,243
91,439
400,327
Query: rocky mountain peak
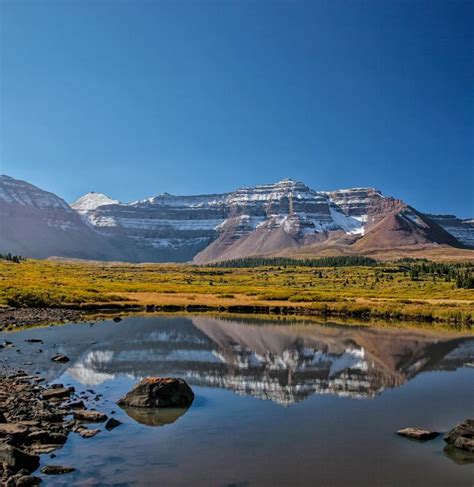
93,200
17,192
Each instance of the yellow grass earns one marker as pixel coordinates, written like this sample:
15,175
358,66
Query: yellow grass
368,292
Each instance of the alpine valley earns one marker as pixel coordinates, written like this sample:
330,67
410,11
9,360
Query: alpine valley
285,218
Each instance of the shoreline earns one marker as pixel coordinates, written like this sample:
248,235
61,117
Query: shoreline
36,420
15,318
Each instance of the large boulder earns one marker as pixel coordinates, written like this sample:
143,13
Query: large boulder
159,392
462,436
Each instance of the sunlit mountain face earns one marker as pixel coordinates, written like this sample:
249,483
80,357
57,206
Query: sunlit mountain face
284,363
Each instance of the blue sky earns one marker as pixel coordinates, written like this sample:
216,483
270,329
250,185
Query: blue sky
136,98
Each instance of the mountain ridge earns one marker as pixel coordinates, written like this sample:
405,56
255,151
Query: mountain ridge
265,219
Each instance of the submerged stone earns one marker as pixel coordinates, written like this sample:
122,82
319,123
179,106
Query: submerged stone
60,358
417,434
56,469
112,423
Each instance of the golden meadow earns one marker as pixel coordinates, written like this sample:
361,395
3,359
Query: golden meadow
389,291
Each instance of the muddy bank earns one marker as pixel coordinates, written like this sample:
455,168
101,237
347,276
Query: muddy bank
11,318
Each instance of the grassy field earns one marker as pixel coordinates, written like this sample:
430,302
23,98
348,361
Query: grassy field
388,290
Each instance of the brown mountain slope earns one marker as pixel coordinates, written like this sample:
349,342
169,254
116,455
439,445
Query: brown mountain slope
404,228
259,242
393,227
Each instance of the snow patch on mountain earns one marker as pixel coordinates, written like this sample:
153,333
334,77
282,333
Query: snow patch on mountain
14,191
91,201
349,224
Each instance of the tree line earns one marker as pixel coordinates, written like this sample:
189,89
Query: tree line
461,273
338,261
12,258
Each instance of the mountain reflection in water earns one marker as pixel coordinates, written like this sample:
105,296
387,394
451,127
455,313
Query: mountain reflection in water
284,363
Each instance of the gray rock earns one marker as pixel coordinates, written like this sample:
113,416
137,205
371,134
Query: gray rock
27,481
462,436
112,423
60,358
417,434
159,392
56,392
86,432
15,459
90,416
13,430
56,469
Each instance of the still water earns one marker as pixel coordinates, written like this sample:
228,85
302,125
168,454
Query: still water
275,403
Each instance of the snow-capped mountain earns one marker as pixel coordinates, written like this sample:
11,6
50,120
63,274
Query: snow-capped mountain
260,220
92,200
257,220
37,223
463,230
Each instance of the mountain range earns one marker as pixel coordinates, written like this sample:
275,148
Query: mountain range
284,218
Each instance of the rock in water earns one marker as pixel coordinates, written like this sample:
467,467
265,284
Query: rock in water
56,393
462,436
112,423
56,469
159,392
60,358
417,434
27,481
90,416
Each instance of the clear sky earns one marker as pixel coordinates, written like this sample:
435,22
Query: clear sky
134,98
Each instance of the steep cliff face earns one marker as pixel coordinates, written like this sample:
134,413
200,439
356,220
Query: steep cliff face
462,230
260,220
163,228
36,223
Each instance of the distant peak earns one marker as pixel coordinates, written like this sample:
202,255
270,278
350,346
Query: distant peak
93,200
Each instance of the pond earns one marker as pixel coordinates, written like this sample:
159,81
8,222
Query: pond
276,403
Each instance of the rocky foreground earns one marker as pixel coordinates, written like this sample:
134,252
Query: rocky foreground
11,318
460,440
37,420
